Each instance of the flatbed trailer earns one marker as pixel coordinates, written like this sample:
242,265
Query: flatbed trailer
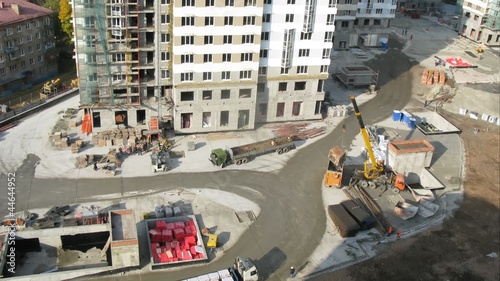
241,154
242,270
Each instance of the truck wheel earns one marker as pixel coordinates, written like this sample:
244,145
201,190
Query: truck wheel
238,162
279,151
244,160
285,150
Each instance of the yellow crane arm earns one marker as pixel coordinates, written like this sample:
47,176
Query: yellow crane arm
365,135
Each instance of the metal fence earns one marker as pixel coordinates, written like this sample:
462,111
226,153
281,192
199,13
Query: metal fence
50,98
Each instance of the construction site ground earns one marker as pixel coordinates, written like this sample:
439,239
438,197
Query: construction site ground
454,250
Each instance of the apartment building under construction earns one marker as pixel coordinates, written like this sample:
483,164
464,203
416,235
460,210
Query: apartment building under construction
480,21
201,65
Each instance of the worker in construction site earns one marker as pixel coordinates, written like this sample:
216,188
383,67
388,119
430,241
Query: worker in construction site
400,233
389,231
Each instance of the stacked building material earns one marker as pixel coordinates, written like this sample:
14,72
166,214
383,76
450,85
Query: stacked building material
60,140
177,241
442,77
298,130
117,137
432,76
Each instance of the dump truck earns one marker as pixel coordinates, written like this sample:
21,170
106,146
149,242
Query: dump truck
333,175
241,154
242,270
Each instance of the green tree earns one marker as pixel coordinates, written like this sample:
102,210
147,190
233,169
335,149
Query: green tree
65,17
52,4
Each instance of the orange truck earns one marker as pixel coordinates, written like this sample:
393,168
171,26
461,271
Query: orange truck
333,175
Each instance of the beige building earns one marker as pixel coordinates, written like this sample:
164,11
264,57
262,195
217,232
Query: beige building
26,45
363,23
202,65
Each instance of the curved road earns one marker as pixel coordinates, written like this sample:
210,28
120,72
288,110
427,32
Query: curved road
292,219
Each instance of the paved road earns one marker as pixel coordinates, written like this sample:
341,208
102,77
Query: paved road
292,219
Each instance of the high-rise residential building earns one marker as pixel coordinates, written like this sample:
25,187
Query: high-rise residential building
480,20
202,65
363,22
26,45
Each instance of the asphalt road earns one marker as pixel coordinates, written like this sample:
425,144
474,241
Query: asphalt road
292,219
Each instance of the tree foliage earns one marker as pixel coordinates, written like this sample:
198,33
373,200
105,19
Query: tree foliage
65,12
52,4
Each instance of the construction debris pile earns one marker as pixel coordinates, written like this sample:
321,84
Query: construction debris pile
440,94
57,216
432,76
298,130
117,137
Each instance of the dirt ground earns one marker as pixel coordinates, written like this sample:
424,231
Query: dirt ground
458,248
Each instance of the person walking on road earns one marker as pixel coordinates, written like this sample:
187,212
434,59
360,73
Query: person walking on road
400,233
292,272
389,231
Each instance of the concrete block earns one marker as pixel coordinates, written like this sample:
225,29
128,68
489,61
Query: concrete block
191,146
168,212
177,211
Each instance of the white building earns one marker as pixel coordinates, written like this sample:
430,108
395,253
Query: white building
206,65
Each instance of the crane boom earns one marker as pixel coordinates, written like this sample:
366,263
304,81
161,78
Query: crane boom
375,169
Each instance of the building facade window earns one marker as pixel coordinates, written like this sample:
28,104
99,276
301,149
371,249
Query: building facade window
378,11
330,19
302,69
263,71
228,39
264,36
187,21
165,37
304,52
226,75
285,70
246,56
289,18
247,39
207,76
263,53
250,2
266,18
209,3
187,58
165,74
188,3
305,36
328,36
207,58
165,19
187,40
165,56
249,20
209,21
245,74
186,76
209,39
324,69
326,54
226,57
230,3
228,20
